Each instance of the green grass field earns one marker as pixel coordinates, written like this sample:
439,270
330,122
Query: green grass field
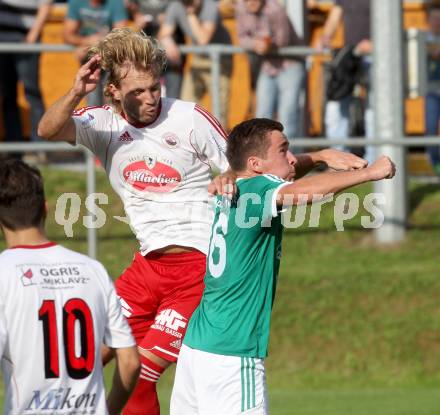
356,326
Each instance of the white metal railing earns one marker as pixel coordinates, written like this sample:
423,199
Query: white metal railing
215,51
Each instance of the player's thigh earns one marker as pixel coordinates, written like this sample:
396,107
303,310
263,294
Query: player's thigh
137,288
230,385
182,283
184,396
164,337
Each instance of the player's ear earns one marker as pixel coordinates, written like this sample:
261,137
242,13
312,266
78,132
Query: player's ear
116,93
254,164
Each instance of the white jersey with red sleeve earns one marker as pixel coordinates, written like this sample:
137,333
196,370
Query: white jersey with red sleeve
161,171
56,309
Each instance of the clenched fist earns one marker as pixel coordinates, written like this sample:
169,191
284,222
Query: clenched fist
382,168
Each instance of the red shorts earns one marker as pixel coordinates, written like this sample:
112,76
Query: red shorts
158,294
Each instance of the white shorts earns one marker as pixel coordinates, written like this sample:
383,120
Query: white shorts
214,384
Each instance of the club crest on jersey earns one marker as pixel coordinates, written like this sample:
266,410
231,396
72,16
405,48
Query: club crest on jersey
148,174
150,161
171,140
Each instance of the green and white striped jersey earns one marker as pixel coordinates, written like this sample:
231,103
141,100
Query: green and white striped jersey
233,317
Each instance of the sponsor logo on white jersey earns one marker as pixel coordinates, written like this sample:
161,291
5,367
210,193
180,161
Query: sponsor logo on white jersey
51,275
63,400
170,321
149,174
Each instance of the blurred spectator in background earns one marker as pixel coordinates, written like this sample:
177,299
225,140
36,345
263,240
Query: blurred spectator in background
262,26
86,23
200,21
149,15
432,99
356,17
21,21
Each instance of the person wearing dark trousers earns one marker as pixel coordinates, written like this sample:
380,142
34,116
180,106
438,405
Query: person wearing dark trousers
21,21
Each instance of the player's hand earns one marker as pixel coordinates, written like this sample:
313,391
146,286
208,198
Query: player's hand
382,168
224,184
87,77
341,160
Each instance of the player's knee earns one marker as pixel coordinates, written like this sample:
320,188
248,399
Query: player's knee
144,400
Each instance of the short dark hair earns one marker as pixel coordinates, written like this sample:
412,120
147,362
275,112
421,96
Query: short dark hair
22,201
249,138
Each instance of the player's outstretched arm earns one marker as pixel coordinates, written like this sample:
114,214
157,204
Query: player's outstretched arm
57,123
318,186
124,379
334,159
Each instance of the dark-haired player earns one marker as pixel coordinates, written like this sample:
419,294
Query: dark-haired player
221,364
56,309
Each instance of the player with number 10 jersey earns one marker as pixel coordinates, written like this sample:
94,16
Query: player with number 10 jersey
57,307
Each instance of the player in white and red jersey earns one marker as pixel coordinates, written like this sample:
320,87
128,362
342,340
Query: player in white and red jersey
56,309
161,171
159,154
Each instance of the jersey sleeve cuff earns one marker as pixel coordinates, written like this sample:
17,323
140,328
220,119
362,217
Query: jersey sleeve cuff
275,211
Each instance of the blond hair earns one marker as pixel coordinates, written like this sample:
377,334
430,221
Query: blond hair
123,48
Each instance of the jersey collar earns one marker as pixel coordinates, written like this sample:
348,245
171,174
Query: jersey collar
40,246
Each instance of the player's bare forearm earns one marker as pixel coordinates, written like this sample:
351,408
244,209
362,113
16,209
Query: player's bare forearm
306,162
334,159
124,379
56,123
310,188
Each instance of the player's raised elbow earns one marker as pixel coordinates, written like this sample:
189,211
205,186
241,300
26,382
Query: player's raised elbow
43,131
50,132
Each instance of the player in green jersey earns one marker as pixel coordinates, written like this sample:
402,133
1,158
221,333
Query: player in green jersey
221,364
